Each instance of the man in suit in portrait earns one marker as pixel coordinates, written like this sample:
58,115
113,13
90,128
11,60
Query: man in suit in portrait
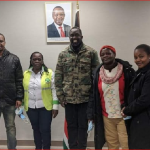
58,28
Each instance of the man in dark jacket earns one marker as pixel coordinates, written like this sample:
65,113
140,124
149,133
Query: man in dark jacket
11,90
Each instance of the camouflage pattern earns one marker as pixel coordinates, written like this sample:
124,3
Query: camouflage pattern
73,74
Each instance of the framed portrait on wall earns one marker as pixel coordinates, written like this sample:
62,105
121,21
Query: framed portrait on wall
58,21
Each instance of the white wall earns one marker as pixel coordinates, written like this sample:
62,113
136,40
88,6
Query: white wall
122,24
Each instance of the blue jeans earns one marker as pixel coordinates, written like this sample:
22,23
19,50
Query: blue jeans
9,118
41,119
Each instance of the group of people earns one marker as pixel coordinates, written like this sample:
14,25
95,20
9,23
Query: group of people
111,95
35,87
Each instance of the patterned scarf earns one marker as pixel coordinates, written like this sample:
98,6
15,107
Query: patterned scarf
110,80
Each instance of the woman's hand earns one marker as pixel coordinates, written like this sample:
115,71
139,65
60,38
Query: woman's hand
123,115
54,113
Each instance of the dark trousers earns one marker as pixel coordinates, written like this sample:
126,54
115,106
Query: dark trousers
41,124
77,125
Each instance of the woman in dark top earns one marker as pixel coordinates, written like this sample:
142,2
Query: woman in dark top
111,80
139,101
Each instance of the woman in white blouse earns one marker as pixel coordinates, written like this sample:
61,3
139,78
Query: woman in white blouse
40,100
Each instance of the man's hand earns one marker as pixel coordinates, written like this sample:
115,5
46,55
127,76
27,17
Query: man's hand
90,125
123,115
18,104
63,104
90,120
54,113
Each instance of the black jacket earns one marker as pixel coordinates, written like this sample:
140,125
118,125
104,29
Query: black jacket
94,111
139,109
53,32
11,76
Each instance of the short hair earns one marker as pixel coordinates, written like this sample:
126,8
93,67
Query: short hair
3,36
145,47
45,67
76,28
58,7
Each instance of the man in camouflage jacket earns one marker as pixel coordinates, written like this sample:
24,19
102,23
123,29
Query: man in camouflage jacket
73,80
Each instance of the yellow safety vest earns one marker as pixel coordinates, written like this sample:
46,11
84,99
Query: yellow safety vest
46,89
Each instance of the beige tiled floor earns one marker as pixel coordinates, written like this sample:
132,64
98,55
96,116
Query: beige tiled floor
4,147
28,147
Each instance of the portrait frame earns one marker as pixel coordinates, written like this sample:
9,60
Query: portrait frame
52,31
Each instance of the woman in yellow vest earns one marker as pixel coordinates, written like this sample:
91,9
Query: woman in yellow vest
40,100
